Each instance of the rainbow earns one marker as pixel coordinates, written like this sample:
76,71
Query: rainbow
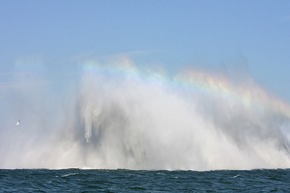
249,94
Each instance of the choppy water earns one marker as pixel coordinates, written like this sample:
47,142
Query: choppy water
76,180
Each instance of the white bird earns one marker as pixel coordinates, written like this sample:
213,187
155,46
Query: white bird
18,122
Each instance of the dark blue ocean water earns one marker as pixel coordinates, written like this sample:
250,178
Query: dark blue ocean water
77,180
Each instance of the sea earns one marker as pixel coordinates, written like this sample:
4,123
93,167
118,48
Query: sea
120,180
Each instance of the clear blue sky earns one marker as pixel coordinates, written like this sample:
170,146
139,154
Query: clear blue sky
248,35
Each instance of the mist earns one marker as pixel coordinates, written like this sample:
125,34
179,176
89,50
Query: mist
115,114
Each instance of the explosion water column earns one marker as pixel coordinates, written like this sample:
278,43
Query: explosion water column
189,122
118,115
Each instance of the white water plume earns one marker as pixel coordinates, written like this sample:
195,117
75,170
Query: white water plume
110,118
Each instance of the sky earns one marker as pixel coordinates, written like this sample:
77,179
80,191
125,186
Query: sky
238,37
112,84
